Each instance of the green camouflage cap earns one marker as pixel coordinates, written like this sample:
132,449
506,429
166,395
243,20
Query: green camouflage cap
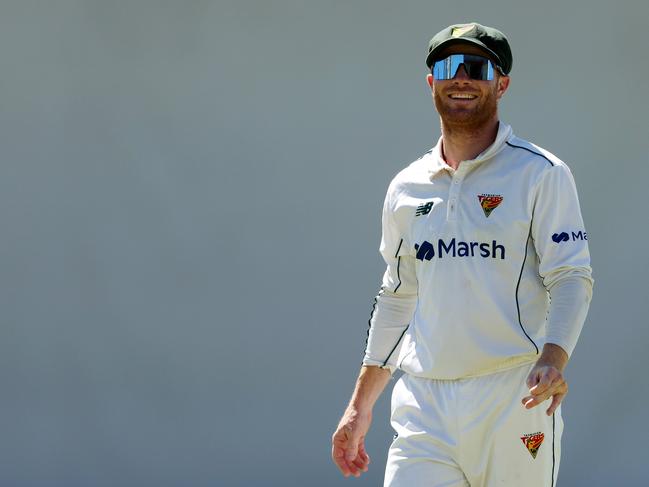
488,38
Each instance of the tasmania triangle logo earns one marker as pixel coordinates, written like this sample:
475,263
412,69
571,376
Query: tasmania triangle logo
533,442
489,202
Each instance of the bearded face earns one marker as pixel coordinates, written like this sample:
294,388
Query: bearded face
466,104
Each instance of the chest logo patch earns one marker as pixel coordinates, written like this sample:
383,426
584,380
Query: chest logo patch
533,442
424,209
489,202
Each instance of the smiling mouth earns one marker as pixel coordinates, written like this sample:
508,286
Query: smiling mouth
462,96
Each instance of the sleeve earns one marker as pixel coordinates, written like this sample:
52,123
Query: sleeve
561,244
395,303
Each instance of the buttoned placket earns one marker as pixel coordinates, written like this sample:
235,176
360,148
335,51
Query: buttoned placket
457,178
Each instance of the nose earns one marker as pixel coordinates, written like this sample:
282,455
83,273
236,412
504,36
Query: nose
461,74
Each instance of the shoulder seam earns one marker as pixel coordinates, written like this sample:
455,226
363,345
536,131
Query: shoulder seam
530,150
423,155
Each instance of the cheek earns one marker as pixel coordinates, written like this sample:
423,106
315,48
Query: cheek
436,87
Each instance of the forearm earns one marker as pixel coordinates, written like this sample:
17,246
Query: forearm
370,384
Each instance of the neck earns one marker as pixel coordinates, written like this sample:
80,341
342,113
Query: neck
461,143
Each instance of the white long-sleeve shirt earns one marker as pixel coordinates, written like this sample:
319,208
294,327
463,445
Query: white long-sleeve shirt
485,263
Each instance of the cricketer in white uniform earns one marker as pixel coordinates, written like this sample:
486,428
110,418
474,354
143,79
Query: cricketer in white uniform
487,287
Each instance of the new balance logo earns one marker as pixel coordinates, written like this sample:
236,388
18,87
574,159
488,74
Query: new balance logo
424,209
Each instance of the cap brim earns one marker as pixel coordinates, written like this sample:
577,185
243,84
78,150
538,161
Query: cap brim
449,42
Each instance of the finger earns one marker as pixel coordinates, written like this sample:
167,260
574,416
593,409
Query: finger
339,446
351,451
347,467
558,387
356,466
544,383
549,383
339,459
360,464
363,454
533,401
530,402
362,460
556,400
533,378
557,397
354,471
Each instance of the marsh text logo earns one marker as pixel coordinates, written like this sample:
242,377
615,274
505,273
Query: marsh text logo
566,237
459,248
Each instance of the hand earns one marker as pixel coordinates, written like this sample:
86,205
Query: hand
545,381
348,443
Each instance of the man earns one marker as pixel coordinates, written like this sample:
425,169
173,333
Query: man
487,286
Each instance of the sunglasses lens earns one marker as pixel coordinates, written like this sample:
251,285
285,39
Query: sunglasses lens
477,67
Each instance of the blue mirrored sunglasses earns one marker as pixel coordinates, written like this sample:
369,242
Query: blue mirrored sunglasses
477,67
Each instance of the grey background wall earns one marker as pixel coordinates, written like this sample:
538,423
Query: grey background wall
189,202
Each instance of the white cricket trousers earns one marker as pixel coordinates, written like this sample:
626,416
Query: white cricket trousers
472,432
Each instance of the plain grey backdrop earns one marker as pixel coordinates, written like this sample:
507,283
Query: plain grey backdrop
190,198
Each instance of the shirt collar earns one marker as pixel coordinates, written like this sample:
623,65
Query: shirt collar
438,164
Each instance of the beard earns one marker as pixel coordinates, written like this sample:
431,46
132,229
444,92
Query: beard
467,119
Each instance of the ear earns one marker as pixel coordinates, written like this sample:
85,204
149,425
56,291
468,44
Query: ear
429,79
503,84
